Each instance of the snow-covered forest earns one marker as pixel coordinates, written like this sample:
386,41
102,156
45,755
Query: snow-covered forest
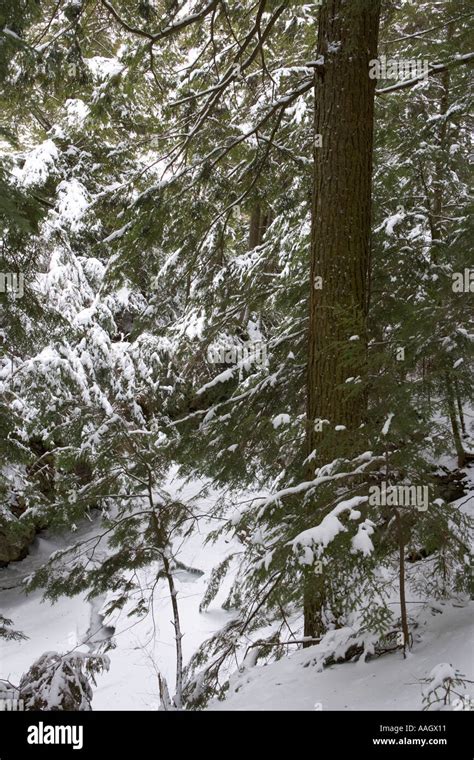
236,330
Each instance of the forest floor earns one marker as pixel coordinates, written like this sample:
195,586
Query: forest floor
443,633
384,683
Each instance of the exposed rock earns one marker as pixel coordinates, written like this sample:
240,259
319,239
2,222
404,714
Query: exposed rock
15,537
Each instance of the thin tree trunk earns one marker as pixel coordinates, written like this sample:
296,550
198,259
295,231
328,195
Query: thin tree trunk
162,545
401,579
344,115
461,454
166,702
460,409
178,698
255,227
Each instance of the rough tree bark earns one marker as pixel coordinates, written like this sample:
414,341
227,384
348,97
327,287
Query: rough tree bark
460,407
450,398
254,228
344,110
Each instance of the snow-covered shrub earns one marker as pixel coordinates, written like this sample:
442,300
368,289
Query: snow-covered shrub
61,682
445,688
7,632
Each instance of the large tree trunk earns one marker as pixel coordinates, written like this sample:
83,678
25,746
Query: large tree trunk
344,109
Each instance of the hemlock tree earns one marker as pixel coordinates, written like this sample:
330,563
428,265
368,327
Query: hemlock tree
340,245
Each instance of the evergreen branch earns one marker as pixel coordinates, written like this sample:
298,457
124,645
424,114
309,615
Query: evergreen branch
233,72
427,31
168,30
434,68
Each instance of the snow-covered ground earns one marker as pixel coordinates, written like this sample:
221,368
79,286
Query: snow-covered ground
131,682
445,634
385,683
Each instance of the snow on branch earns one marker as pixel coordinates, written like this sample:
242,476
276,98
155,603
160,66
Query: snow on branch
366,460
324,533
169,30
434,68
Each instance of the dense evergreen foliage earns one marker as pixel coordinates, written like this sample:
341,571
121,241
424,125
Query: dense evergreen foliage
158,196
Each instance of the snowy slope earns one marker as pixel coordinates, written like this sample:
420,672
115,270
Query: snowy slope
385,683
445,633
142,645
